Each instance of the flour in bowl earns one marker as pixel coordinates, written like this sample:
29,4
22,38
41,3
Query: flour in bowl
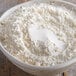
41,35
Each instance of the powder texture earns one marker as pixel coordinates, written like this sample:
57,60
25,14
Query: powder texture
41,35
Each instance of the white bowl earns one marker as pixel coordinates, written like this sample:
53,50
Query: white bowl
37,70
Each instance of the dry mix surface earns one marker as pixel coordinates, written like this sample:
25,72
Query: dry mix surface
41,35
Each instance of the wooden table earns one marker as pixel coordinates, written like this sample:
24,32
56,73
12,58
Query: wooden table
6,67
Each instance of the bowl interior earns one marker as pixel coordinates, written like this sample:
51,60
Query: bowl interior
64,4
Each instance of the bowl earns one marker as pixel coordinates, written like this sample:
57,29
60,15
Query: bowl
33,69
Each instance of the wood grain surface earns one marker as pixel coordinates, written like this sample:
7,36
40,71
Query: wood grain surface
6,67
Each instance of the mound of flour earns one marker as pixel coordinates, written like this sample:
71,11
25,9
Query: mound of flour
41,35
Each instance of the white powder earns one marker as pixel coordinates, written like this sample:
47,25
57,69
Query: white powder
41,35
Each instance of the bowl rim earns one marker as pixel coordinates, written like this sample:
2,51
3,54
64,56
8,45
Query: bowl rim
57,66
